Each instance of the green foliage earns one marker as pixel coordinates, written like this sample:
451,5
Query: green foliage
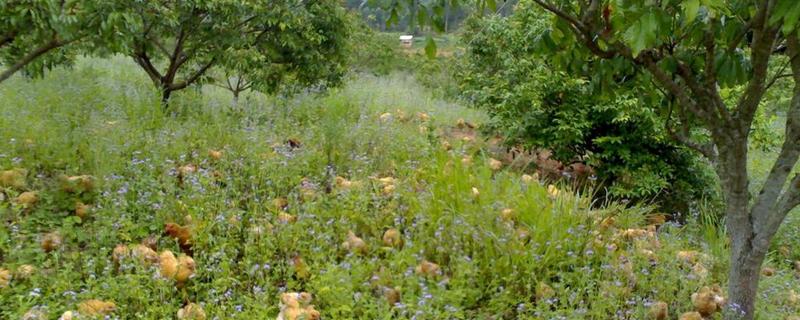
533,105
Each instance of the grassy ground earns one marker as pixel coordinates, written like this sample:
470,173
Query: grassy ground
268,215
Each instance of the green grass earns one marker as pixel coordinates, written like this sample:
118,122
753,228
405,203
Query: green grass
102,118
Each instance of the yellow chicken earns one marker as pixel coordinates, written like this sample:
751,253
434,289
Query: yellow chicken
428,269
544,291
186,269
215,154
168,264
192,311
28,199
297,306
692,315
5,278
77,184
495,164
354,244
14,178
94,307
24,271
392,238
145,254
507,214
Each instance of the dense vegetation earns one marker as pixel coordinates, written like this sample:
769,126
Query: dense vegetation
534,105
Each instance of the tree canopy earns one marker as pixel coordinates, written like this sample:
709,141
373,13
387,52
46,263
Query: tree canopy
33,33
273,44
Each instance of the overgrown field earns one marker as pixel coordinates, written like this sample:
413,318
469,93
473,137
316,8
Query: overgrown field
292,195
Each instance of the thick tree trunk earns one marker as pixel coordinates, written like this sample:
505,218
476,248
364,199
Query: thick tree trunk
743,283
746,254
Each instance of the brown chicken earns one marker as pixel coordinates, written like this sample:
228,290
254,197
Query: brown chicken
428,269
181,233
51,241
659,311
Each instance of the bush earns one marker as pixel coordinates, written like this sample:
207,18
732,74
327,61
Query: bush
533,106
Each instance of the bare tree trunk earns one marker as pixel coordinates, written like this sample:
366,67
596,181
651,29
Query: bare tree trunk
236,99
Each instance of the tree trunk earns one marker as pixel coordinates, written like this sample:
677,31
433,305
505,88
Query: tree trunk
236,99
746,254
446,16
743,280
166,92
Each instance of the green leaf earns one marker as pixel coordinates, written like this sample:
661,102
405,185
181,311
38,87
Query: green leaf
422,16
492,5
430,48
642,34
393,18
690,10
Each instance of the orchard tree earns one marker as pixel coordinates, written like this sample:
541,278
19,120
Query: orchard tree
235,84
177,42
712,58
34,33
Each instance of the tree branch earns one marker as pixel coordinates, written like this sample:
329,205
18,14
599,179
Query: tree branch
706,150
38,52
710,73
193,77
561,14
143,61
740,36
764,37
176,59
160,46
771,207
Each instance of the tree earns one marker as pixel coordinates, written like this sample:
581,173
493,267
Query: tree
32,30
694,50
236,84
177,42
